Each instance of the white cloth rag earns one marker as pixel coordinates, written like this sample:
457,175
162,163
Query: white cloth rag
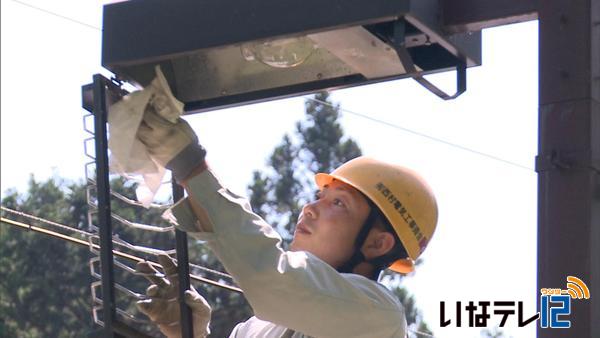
128,155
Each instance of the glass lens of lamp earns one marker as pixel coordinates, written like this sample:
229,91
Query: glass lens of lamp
281,53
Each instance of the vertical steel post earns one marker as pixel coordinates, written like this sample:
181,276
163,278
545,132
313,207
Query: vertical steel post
104,213
568,163
187,330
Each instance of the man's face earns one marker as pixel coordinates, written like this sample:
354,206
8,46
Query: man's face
328,227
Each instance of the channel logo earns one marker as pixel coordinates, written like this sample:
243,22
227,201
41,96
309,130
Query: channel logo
555,308
555,303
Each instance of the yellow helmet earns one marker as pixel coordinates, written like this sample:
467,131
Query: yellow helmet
401,194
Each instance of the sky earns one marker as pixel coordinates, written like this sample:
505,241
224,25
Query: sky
477,152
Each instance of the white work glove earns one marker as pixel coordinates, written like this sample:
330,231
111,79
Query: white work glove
170,142
163,308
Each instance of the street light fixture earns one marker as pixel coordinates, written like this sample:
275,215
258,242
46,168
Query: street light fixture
231,52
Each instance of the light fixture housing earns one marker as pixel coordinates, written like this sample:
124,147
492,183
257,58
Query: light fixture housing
200,46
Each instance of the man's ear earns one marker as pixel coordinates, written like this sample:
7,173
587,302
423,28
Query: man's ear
379,242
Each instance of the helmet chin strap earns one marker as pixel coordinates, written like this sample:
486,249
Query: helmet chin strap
357,256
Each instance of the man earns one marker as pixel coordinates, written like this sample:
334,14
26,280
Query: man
369,216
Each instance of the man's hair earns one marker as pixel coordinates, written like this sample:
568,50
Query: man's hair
396,252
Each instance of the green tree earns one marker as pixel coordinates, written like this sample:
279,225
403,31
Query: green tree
318,145
42,294
45,284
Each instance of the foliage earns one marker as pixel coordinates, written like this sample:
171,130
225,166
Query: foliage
45,284
45,288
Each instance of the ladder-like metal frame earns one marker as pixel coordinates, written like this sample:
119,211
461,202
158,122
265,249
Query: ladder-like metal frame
95,98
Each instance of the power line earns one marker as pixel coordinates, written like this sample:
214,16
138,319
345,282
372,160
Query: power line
57,15
454,145
115,252
39,219
117,241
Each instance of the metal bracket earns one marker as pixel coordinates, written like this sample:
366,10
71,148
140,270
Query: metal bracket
114,91
115,79
409,65
567,160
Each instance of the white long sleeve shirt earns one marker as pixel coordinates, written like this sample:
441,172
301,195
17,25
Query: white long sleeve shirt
286,289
